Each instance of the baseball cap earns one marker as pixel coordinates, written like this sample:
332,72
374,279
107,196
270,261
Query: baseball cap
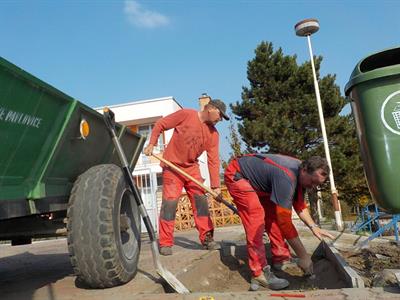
221,107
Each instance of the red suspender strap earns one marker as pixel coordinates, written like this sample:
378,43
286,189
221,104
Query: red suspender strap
270,161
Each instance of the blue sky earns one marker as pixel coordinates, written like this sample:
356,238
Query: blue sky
110,52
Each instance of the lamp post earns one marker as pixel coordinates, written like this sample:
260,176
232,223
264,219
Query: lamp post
306,28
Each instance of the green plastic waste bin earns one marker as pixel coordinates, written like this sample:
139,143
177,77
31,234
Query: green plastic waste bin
374,92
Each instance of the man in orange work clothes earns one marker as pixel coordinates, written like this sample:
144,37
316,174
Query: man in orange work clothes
264,189
194,132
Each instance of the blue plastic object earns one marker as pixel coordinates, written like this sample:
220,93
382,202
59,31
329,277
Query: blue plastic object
371,215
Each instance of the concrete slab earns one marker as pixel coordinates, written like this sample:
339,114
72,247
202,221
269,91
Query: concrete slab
339,294
397,274
351,277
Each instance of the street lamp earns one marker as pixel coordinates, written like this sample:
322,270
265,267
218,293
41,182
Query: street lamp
306,28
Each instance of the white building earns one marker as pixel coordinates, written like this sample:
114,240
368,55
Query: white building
140,116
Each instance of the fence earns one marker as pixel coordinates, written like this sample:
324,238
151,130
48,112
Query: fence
146,181
219,213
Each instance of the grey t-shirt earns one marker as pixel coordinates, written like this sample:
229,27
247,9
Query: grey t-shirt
272,173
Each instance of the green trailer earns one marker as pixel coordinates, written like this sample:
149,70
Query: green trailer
60,175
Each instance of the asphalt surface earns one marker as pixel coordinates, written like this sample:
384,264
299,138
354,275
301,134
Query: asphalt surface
42,271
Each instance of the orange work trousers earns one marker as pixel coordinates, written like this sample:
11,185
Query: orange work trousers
257,213
172,190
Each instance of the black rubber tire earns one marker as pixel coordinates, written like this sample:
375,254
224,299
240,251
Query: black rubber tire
103,229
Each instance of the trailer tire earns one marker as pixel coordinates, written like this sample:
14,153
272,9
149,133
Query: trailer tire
103,229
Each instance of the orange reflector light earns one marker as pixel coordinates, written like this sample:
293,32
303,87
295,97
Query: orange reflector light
84,129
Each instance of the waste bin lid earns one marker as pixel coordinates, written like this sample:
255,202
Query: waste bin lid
380,64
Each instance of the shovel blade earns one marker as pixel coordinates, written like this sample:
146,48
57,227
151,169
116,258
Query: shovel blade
165,274
172,281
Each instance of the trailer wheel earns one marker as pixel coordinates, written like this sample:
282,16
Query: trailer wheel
103,228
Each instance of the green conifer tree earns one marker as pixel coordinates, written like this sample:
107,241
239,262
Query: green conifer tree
278,114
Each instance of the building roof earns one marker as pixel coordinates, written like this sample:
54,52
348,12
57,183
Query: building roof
141,102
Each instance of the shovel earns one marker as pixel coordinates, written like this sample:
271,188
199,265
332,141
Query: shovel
109,119
204,187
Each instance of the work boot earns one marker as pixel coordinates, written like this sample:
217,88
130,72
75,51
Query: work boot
167,250
209,242
286,264
269,280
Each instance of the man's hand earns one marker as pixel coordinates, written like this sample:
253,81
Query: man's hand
217,191
306,264
148,150
320,233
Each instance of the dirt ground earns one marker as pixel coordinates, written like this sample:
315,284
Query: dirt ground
370,262
326,277
234,274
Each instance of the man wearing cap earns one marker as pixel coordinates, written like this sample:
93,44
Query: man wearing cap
194,133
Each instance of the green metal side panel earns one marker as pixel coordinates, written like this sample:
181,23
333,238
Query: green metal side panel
32,114
42,153
75,155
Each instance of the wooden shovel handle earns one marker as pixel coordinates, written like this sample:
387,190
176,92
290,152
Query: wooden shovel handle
200,184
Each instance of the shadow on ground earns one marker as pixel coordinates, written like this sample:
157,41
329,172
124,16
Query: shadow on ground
32,271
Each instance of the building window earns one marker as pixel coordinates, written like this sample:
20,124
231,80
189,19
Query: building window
145,130
159,182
